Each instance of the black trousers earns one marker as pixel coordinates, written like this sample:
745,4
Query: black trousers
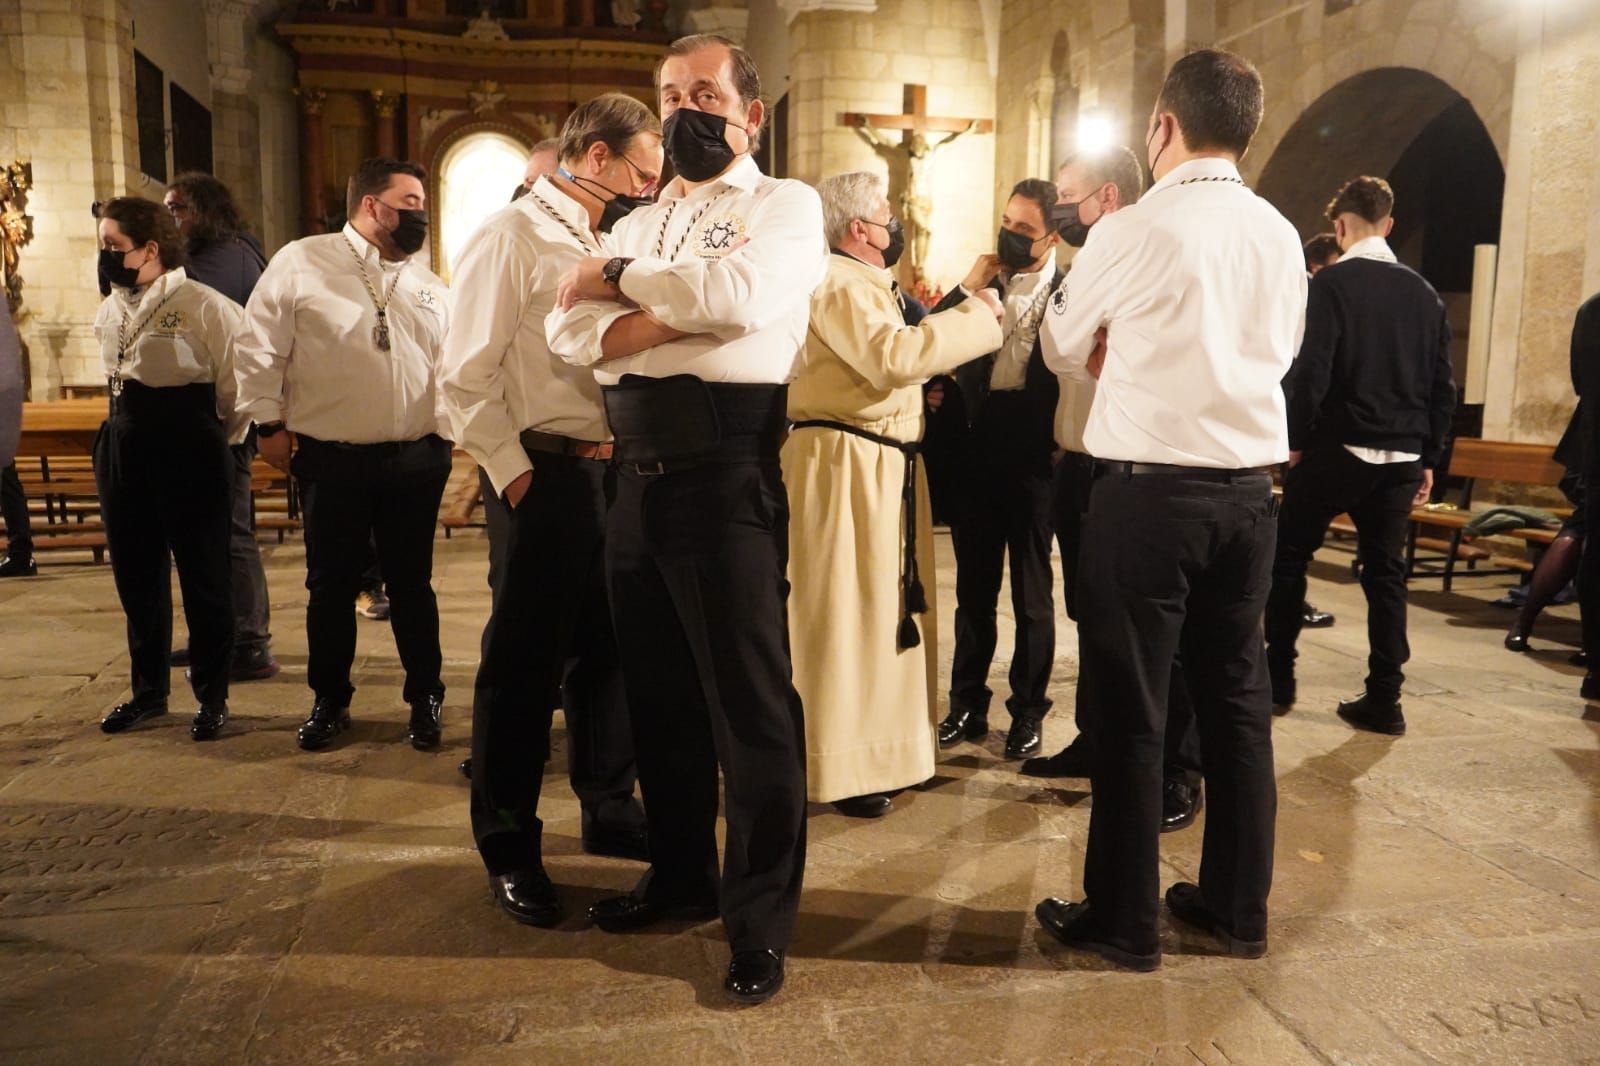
696,559
1005,512
1074,476
1329,482
252,612
1174,564
1589,577
549,629
165,482
497,526
14,509
357,498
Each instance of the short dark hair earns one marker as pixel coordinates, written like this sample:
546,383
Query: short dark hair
612,119
1115,166
212,213
1369,197
1040,192
373,176
1216,97
746,79
144,221
1320,249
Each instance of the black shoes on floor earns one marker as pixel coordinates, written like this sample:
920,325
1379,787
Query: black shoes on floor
427,721
1374,715
1311,618
1180,804
328,719
962,725
1074,926
17,566
1025,738
1183,900
528,896
872,805
625,914
208,721
754,976
126,715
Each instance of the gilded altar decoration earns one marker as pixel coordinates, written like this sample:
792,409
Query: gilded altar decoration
16,228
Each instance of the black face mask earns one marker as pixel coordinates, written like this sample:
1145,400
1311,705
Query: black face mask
697,144
897,241
1073,230
619,207
114,269
1016,249
412,229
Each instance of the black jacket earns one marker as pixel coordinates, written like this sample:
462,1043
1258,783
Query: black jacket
232,266
1586,383
1374,368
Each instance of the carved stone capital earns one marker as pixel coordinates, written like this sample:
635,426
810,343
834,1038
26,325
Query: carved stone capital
311,100
385,102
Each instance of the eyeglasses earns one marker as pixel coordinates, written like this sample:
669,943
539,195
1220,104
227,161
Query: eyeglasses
650,181
178,207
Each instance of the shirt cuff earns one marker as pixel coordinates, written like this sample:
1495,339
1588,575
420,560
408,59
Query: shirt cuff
507,463
637,282
263,411
604,323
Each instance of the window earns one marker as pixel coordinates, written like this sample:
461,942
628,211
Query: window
147,85
476,179
191,133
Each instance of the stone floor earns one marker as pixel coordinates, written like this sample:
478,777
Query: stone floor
1437,896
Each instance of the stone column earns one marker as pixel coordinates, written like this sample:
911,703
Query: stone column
235,120
385,102
313,204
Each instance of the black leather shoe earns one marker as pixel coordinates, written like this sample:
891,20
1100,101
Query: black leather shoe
872,805
1074,760
1180,804
179,657
16,566
1375,716
1283,684
256,664
528,896
1591,687
754,976
1025,738
427,717
125,715
624,914
962,725
618,842
1579,658
1516,640
466,768
328,719
1311,618
1183,900
208,721
1072,924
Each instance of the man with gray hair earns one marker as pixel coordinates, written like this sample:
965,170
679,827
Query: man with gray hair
861,620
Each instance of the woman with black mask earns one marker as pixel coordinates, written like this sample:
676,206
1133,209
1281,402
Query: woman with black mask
161,460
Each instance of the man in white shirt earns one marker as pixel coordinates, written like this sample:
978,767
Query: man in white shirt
341,339
693,326
537,429
1188,308
1003,508
543,158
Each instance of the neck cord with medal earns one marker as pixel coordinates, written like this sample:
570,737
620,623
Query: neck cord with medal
588,243
1023,320
661,238
125,339
380,332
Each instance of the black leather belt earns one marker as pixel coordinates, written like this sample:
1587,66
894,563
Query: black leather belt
1118,468
680,422
535,440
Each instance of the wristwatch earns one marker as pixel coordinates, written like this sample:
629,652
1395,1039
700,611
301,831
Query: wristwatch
611,273
268,429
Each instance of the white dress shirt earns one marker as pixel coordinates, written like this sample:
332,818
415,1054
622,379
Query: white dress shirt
734,261
307,356
498,374
1376,248
1201,286
180,333
1024,301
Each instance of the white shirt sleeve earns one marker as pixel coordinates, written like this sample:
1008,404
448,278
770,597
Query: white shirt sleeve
751,287
575,335
1083,303
265,342
220,322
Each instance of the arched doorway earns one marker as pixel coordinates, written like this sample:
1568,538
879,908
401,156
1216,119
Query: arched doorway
476,177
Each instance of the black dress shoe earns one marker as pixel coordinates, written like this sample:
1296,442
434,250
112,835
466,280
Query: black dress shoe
17,566
179,657
528,896
1375,716
125,715
256,664
962,725
1579,658
328,719
1516,640
624,914
1025,738
1180,804
466,768
1311,618
1283,684
1183,900
208,721
754,976
1591,687
872,805
1074,760
427,716
617,842
1072,924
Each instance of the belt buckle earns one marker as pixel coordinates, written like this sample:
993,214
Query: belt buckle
654,469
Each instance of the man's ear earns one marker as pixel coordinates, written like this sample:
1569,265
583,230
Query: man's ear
758,114
597,157
1388,227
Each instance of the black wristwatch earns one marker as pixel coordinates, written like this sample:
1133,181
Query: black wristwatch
611,273
268,429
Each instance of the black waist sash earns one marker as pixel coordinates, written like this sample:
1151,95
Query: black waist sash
913,599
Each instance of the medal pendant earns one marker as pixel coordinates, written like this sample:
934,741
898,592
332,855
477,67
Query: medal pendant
380,335
116,383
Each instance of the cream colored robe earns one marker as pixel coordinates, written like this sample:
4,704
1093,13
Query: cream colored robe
869,706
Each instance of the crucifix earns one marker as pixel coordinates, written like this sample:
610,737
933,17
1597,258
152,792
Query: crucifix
910,160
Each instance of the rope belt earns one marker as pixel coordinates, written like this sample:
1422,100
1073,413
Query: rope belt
913,598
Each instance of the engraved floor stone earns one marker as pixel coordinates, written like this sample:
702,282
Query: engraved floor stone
1437,896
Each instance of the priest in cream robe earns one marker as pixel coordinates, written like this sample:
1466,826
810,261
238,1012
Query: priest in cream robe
861,614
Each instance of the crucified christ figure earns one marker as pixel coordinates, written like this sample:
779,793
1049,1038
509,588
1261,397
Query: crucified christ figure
913,154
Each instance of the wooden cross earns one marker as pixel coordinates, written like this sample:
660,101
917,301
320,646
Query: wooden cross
915,118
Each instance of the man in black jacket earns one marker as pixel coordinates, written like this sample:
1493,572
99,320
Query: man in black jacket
1370,399
1586,380
1004,500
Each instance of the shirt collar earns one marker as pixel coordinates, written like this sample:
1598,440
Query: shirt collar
156,291
742,175
565,206
1206,167
879,276
369,251
1371,248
